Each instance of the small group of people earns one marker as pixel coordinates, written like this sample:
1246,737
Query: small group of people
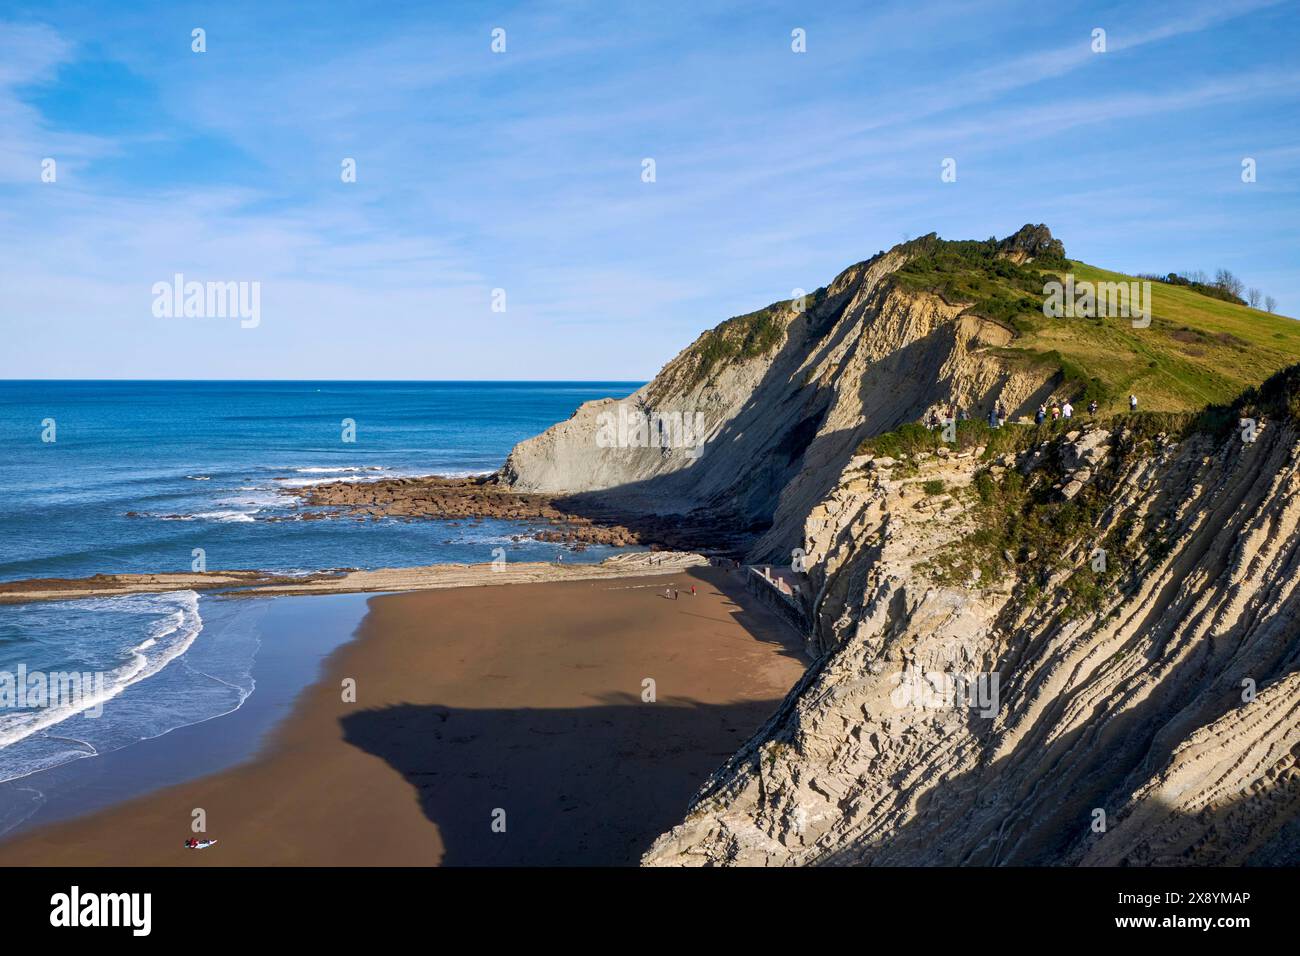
955,413
1059,411
671,593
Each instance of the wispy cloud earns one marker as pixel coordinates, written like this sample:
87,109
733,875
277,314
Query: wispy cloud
522,170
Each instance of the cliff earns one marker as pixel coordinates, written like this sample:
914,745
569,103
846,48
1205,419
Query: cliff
1143,709
1062,644
785,396
780,399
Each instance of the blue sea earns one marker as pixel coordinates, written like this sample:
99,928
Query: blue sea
111,477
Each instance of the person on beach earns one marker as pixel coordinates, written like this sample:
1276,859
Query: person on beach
692,590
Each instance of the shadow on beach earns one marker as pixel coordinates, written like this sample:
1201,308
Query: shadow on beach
579,786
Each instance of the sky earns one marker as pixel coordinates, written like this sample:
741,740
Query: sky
524,170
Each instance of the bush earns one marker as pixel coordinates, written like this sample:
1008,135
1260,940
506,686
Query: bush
745,336
912,439
976,272
1213,290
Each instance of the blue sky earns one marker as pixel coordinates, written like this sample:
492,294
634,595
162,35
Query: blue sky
522,170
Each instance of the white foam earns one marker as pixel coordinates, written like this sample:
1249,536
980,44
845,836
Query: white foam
328,470
466,473
259,498
214,516
171,636
309,482
369,473
351,477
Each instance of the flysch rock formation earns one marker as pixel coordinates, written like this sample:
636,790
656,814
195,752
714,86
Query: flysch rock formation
1159,727
854,359
967,705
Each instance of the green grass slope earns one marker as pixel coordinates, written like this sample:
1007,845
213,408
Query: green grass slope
1197,351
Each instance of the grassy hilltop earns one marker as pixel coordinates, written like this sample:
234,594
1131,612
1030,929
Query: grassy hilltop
1197,351
1200,349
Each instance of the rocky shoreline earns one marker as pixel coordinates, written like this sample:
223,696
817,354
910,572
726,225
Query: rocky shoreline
670,541
572,520
459,498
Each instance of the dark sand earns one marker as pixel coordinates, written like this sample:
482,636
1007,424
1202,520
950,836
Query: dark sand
524,698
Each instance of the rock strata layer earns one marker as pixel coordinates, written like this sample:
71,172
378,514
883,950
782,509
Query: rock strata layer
1153,722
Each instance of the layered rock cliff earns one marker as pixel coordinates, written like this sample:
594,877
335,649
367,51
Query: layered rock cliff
784,396
1131,698
1057,644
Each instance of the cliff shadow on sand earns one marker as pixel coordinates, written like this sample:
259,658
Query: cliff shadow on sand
578,786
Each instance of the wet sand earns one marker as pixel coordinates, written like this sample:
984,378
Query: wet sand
475,707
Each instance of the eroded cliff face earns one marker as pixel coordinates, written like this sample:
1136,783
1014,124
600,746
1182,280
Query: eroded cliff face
779,423
1031,646
1146,708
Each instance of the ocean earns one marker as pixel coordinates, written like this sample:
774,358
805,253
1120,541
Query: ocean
112,477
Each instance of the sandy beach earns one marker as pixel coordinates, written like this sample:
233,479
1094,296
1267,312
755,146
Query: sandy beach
519,703
417,578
